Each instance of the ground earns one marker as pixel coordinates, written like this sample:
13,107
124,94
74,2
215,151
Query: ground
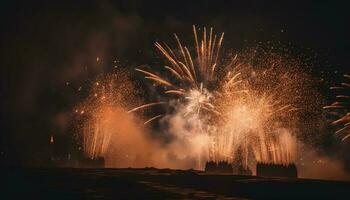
151,183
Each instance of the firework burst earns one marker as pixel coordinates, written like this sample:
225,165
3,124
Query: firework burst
252,117
341,108
190,75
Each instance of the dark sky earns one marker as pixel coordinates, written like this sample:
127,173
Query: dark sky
45,44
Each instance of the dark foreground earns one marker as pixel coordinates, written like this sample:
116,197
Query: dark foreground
152,183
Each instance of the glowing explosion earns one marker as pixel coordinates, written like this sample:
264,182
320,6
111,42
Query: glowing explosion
226,112
341,109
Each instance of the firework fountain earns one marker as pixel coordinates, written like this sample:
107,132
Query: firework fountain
100,115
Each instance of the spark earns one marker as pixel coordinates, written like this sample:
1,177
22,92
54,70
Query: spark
145,106
153,118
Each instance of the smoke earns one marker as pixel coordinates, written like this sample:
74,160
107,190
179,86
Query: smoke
106,128
132,145
129,146
312,164
190,139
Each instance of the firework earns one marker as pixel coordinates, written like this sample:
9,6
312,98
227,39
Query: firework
190,75
190,83
236,111
99,113
341,108
252,118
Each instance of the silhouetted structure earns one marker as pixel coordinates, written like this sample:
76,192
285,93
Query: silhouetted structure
98,162
239,169
218,167
276,170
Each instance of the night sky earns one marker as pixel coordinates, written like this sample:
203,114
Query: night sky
49,49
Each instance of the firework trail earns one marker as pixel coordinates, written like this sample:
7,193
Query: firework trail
190,75
341,108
